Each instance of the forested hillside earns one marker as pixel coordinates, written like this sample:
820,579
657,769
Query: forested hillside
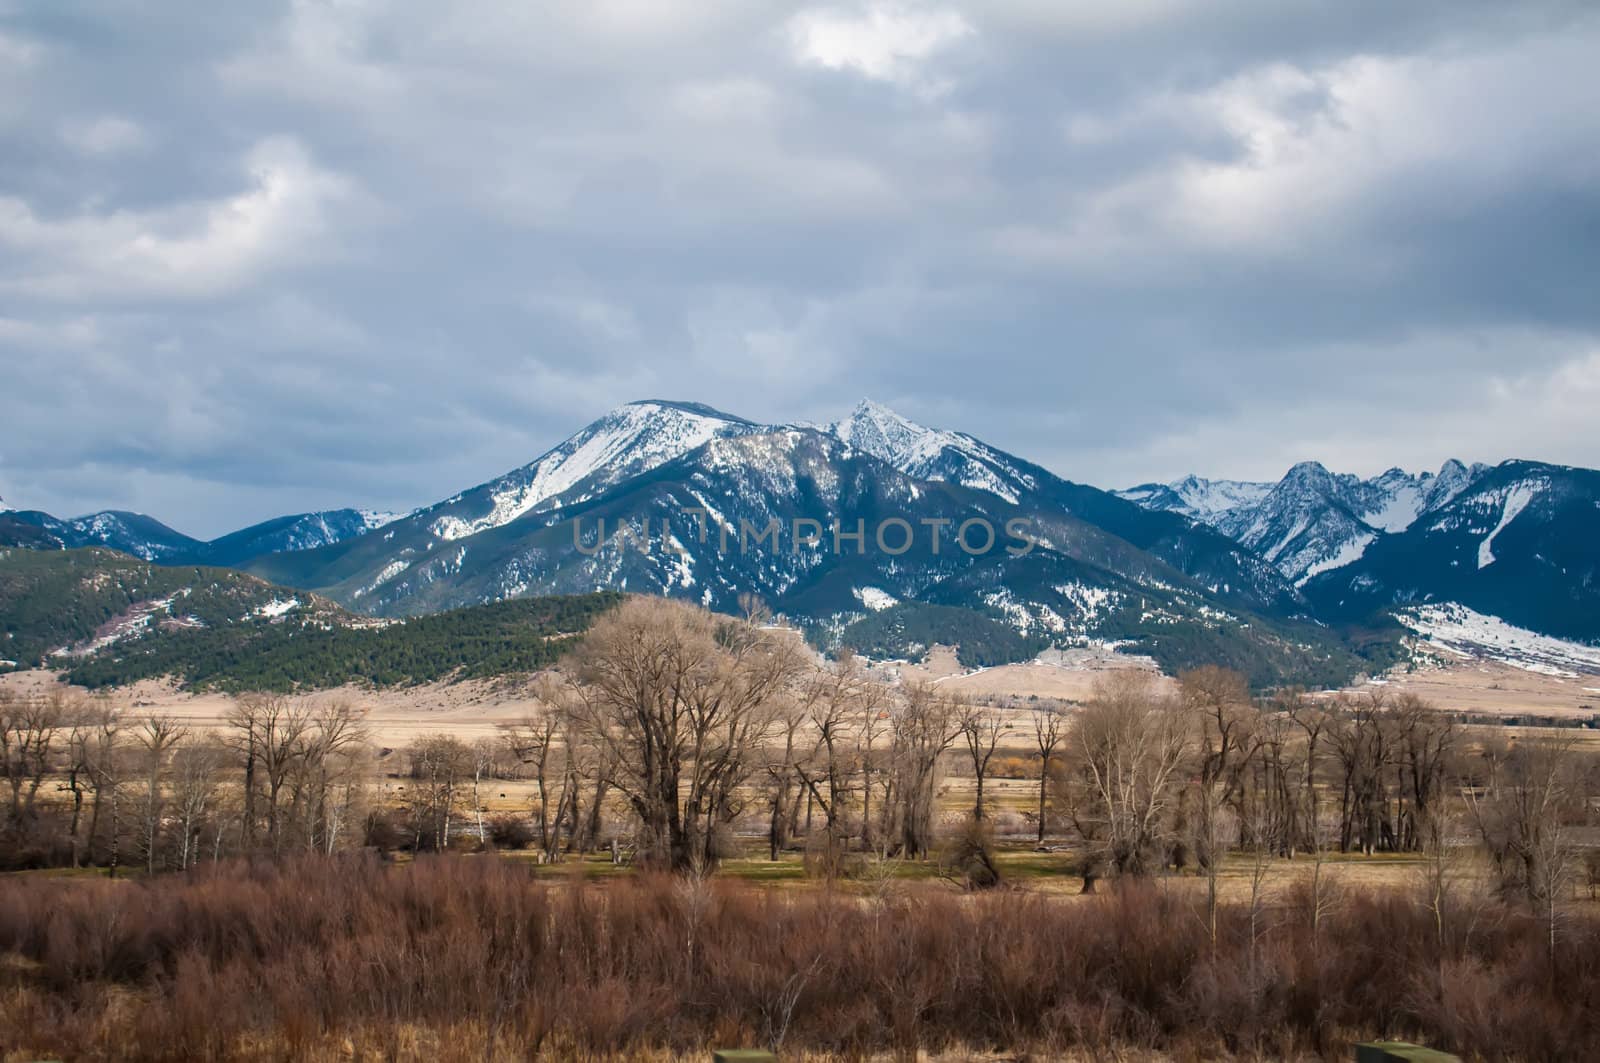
107,619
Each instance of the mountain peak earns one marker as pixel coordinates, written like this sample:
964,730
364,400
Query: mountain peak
697,409
1304,470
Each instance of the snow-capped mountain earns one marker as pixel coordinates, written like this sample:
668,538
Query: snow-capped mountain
930,454
1198,498
955,457
300,531
626,442
147,538
1254,574
721,500
1312,521
1521,543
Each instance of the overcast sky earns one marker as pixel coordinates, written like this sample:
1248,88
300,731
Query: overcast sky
274,257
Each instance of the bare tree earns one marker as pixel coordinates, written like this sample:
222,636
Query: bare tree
784,765
923,724
534,741
833,702
28,729
196,778
682,701
981,729
1047,728
1127,746
483,758
103,760
320,758
439,764
157,736
1521,815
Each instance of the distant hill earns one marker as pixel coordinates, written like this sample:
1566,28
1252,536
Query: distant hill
108,619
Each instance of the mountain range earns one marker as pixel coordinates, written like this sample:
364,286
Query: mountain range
1267,577
1519,540
148,538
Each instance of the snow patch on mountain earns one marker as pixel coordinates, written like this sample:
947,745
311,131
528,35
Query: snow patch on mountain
874,598
1465,633
276,608
1347,553
628,441
1516,500
1090,601
378,518
390,571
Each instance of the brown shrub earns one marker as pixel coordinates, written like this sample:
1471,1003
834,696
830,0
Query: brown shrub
457,957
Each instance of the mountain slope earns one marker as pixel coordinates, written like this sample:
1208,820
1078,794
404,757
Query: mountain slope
300,531
106,618
1521,543
626,442
1201,553
132,533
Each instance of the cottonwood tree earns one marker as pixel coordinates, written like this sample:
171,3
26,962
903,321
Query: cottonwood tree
440,764
836,703
197,769
923,724
266,730
784,763
1126,748
874,720
29,727
156,737
981,729
683,702
1521,814
1048,721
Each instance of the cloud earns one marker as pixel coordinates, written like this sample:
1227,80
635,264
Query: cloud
190,250
884,41
309,253
106,135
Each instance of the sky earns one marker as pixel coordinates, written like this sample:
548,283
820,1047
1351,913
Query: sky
265,258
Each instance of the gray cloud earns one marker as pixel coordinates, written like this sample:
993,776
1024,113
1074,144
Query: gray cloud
319,254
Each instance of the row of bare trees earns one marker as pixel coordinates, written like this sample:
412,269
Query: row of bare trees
89,781
1151,779
694,722
688,723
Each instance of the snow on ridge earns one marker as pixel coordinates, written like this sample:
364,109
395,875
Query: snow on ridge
374,519
921,452
1466,633
1205,499
627,441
